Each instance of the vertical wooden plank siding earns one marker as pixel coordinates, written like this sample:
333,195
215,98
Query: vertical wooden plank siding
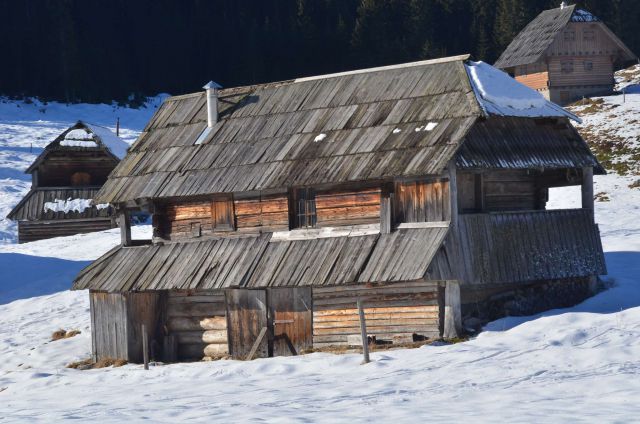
422,201
110,318
246,316
142,308
197,319
587,188
290,314
397,312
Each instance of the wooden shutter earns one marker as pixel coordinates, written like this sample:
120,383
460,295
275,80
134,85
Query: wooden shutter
222,214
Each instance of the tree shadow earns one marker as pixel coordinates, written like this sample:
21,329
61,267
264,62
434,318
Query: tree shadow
24,276
622,292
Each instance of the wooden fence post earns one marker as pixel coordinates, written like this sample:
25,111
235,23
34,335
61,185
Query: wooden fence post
452,311
363,333
145,347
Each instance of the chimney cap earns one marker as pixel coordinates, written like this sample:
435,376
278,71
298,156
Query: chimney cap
211,84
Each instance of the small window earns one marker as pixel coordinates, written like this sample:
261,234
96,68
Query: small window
222,214
588,35
80,179
566,67
588,65
304,208
569,35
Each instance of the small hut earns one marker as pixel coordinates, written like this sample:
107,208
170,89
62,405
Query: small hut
566,54
419,189
66,177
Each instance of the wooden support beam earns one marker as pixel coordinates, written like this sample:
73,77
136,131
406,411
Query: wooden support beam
587,188
124,221
385,213
145,347
256,344
452,311
453,193
363,333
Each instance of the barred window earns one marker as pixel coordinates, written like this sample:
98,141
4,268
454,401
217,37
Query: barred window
303,202
569,35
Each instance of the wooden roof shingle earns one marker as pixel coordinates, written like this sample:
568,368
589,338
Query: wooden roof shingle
258,262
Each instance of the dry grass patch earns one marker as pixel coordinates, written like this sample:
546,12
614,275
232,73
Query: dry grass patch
601,197
64,334
635,184
88,364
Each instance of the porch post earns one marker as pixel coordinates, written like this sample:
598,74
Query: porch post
587,188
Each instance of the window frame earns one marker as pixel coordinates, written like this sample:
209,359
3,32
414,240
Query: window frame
302,204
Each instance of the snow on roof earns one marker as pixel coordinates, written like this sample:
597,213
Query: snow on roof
581,15
499,94
115,144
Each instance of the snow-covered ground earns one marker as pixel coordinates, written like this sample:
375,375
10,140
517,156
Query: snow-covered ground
27,127
580,364
577,364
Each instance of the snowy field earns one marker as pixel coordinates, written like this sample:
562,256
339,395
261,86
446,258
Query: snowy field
580,364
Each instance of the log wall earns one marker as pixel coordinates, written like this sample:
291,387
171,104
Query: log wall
39,230
262,214
195,219
350,207
505,190
398,312
198,321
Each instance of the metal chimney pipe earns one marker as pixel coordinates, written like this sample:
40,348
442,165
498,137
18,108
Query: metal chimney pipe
212,102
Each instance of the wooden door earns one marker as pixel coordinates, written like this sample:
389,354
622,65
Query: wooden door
290,315
246,316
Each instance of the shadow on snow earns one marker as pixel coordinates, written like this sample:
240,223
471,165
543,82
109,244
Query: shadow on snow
24,276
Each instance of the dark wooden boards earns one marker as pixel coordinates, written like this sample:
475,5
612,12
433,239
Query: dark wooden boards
517,247
291,318
246,317
39,230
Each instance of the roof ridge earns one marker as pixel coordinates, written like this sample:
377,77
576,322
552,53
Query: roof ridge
386,68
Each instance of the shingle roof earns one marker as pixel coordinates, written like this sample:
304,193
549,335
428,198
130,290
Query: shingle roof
267,136
257,261
535,38
32,206
94,137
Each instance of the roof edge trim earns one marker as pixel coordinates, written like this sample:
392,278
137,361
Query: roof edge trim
462,57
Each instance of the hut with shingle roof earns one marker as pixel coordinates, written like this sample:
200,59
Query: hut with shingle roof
419,189
66,177
566,54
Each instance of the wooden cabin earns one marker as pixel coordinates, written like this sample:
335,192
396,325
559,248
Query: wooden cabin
566,54
414,188
66,176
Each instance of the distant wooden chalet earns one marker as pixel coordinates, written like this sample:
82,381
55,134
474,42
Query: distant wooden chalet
66,176
416,188
566,54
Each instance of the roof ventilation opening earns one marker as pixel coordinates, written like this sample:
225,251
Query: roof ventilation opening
212,102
